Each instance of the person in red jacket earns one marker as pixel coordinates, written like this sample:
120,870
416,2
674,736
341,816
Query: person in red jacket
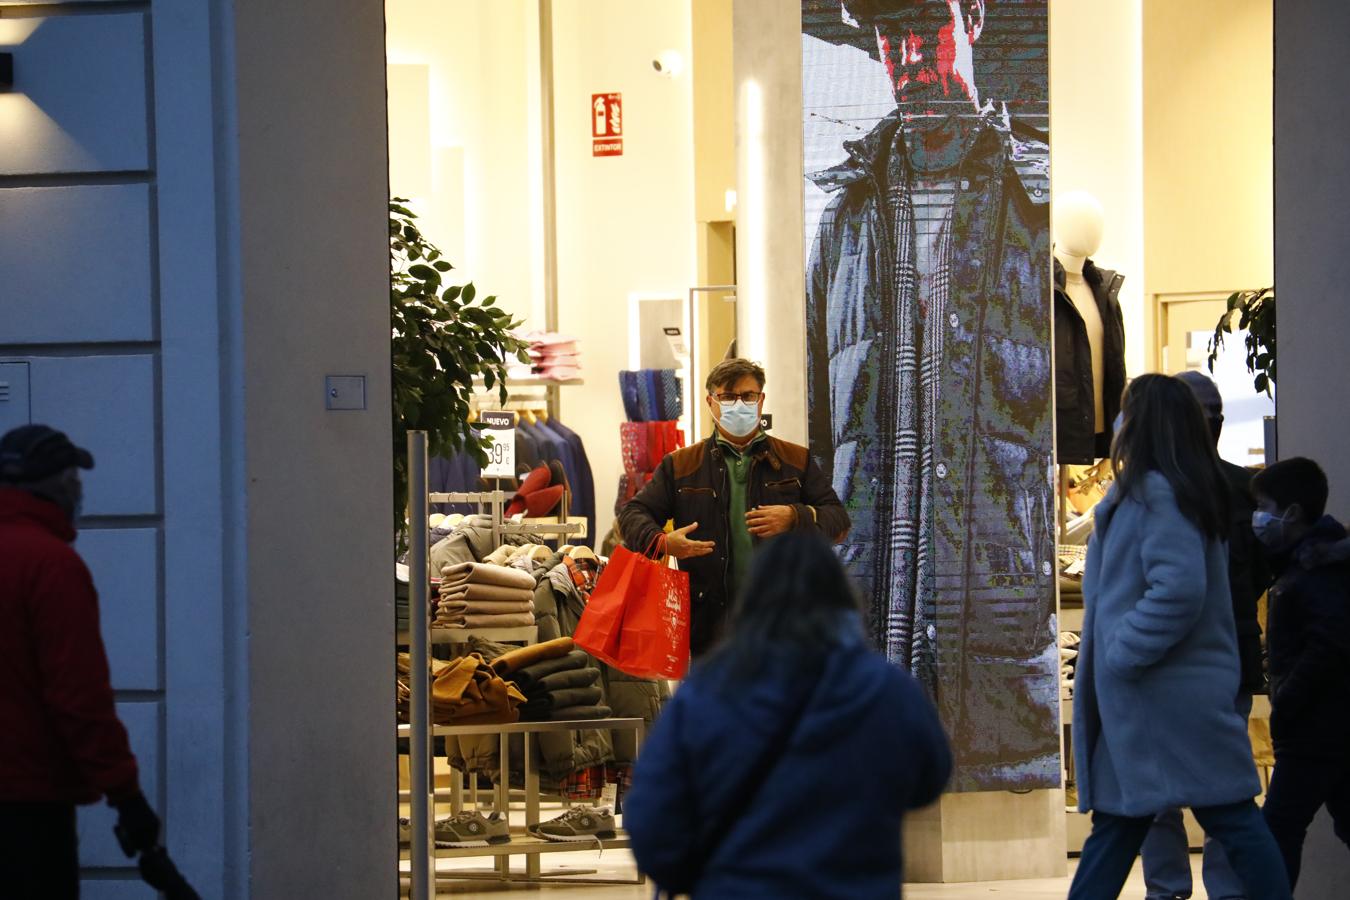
61,743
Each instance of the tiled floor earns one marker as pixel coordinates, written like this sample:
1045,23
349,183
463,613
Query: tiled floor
618,864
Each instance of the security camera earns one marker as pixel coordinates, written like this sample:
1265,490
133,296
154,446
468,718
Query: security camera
669,64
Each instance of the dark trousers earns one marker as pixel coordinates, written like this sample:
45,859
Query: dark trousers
1110,850
1299,787
38,857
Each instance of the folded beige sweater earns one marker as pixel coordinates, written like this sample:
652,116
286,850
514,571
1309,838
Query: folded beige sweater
485,573
484,607
486,592
473,620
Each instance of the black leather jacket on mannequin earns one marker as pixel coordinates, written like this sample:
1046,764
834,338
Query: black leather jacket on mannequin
1076,438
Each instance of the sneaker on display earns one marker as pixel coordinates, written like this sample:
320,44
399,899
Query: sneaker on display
580,823
472,829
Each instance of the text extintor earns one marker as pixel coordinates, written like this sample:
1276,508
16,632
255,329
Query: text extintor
607,124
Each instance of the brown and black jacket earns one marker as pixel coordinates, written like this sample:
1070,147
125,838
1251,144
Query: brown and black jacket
692,485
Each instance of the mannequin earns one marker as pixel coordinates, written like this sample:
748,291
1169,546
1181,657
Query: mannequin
1089,333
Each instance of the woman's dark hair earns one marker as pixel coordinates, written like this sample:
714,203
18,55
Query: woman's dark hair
796,601
1165,431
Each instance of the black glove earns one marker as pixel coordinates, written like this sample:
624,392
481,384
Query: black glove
137,827
159,872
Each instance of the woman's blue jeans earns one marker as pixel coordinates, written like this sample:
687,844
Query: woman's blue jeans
1110,850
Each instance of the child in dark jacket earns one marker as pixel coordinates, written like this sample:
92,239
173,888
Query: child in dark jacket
787,759
1308,643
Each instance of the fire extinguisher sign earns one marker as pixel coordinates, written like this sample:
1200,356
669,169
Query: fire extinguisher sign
606,124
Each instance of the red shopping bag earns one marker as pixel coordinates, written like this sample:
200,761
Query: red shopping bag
637,618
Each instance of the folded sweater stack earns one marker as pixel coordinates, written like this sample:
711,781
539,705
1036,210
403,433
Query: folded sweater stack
464,691
558,682
481,595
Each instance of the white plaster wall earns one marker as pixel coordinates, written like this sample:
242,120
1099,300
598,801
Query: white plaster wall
625,224
482,123
1097,137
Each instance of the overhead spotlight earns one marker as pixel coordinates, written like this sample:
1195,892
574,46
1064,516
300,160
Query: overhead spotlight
670,63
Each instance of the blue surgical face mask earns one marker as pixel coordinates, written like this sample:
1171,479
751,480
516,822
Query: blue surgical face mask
1269,529
738,418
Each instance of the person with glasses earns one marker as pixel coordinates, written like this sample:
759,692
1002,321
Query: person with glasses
727,494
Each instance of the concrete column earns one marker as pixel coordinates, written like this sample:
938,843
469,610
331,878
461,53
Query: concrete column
312,300
770,249
1312,221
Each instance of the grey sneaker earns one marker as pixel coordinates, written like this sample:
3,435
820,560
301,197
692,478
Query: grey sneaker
472,829
580,823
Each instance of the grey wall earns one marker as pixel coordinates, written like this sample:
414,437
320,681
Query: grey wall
313,190
191,235
1312,238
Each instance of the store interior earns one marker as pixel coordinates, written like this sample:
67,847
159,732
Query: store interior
665,254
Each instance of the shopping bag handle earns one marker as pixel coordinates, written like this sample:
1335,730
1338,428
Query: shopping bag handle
658,540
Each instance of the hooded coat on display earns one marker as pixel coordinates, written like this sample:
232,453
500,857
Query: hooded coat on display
1075,403
1155,723
825,822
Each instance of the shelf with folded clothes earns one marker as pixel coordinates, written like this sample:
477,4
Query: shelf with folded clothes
455,636
526,845
533,381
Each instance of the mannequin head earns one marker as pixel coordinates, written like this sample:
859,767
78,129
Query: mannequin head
1079,222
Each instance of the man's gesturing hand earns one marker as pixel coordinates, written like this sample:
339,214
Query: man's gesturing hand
681,546
767,521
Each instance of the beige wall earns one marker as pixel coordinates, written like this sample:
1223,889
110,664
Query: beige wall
625,224
476,184
714,110
1097,136
1208,182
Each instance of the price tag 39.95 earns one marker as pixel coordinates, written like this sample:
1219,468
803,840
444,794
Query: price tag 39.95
501,428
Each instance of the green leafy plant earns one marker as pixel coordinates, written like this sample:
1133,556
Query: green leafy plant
447,342
1255,312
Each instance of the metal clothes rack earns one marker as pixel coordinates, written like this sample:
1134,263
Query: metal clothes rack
419,731
552,396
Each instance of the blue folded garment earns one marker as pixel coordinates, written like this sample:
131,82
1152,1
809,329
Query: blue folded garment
628,390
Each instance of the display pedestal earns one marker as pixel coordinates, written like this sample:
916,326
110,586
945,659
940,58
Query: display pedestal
987,836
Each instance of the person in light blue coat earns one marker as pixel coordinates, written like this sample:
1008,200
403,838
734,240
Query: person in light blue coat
1154,722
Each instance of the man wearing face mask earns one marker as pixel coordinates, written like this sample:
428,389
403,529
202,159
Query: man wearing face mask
61,743
725,495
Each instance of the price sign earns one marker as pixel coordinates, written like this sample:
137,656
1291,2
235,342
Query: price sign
501,428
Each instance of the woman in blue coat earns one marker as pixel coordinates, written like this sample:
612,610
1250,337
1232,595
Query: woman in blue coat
785,762
1155,725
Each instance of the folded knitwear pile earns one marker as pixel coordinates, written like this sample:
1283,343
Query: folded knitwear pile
481,595
464,691
553,356
558,681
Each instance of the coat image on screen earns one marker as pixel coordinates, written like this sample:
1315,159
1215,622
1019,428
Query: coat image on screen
928,293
